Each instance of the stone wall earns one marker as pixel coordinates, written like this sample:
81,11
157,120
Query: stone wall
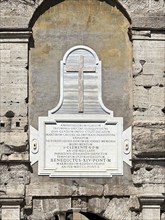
139,193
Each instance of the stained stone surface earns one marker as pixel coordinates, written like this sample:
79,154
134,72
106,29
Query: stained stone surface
133,81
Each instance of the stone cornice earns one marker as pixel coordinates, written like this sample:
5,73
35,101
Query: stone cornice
11,200
15,35
151,199
148,35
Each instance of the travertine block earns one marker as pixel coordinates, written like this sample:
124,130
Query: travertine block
13,75
20,108
17,123
148,188
117,190
141,97
90,190
13,94
157,96
49,189
117,209
46,208
149,174
80,203
151,55
155,6
15,138
13,180
149,80
97,205
149,140
151,212
149,101
56,204
16,189
10,212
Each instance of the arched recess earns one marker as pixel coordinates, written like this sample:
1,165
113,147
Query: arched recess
101,25
44,5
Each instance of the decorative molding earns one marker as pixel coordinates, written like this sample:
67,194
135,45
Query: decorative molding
14,36
151,206
93,69
151,199
147,35
11,200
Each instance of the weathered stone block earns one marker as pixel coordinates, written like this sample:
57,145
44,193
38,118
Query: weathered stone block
149,81
15,138
136,215
54,205
118,209
14,123
90,190
148,174
48,189
46,208
156,6
80,203
13,75
157,96
37,215
98,205
15,14
141,98
149,139
17,190
151,55
10,212
117,190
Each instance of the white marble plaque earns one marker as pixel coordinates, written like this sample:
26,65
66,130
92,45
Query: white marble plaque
80,137
79,146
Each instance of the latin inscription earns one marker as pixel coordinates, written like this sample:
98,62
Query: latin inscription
80,146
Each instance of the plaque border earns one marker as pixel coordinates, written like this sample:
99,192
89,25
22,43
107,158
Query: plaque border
80,118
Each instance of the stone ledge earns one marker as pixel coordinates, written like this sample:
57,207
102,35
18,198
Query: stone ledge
151,199
14,36
11,200
148,35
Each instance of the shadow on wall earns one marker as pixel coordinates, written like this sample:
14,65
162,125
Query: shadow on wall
80,216
92,216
